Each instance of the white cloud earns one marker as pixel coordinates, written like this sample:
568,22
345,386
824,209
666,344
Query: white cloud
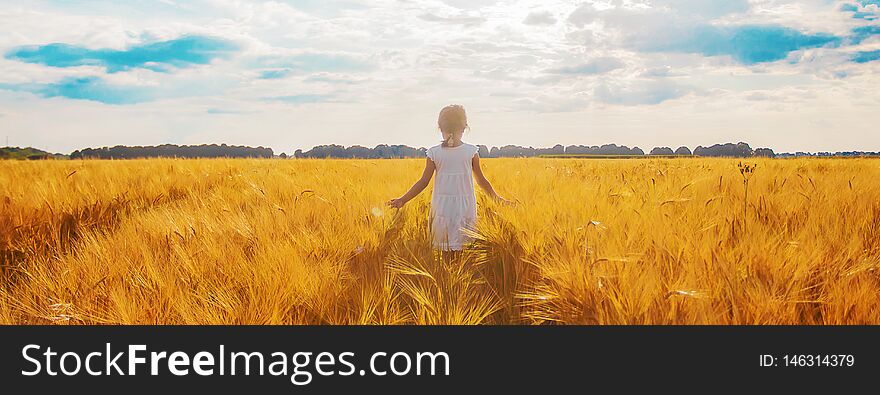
634,93
540,18
599,65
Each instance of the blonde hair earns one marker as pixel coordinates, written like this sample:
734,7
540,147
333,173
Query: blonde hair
452,122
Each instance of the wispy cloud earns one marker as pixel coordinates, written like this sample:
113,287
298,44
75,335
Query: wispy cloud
320,78
465,20
157,56
226,111
540,18
595,66
274,74
640,93
300,99
705,8
282,66
87,88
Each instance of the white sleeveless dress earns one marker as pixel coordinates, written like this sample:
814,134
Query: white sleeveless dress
453,202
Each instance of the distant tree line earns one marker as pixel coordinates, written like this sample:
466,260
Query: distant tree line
173,151
29,153
513,151
741,150
356,151
827,154
738,150
507,151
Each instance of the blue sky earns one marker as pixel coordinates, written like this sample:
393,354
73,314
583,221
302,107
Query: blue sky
297,73
746,44
159,56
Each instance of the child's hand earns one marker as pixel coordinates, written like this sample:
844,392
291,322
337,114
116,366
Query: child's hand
504,201
396,203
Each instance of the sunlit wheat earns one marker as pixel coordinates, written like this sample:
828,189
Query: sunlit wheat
590,241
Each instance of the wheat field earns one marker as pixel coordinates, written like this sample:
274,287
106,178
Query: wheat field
590,241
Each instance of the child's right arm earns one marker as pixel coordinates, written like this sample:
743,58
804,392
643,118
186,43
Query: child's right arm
417,188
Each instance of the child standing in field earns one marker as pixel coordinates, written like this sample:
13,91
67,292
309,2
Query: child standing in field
453,202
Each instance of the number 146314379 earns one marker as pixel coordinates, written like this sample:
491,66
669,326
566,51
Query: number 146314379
808,360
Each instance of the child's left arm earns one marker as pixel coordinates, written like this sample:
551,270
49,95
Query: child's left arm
483,182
